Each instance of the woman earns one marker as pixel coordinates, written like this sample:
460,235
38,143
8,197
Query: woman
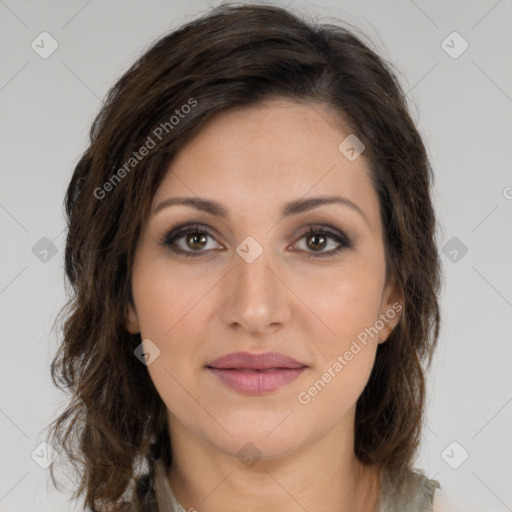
255,277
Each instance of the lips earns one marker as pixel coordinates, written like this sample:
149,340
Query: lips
256,374
246,361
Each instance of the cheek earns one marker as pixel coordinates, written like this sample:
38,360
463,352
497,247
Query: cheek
338,381
174,311
165,299
350,307
348,303
171,316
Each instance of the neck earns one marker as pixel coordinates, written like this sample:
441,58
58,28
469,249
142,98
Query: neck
324,475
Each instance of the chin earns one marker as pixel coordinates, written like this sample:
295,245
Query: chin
266,440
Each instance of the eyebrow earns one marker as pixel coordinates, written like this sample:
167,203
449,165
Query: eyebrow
291,208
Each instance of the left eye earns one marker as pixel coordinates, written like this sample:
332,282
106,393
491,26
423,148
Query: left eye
317,240
196,239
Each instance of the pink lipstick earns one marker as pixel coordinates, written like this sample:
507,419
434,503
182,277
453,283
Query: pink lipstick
256,374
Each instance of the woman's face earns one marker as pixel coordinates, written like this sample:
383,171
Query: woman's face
257,283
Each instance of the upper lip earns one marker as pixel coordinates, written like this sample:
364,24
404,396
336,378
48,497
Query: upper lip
247,361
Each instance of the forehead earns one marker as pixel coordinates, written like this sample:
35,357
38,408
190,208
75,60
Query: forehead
268,154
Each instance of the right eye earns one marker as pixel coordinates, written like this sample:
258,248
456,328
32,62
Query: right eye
187,240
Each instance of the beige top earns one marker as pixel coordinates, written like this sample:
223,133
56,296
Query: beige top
159,497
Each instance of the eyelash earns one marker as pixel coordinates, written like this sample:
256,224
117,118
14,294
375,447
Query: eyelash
169,239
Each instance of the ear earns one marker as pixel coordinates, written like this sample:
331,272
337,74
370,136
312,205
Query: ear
391,307
131,320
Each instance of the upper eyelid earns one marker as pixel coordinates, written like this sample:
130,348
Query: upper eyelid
182,230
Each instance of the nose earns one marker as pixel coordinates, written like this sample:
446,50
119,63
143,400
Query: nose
257,299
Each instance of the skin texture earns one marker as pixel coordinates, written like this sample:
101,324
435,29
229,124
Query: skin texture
288,300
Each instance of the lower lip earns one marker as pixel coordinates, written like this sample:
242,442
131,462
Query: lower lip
252,382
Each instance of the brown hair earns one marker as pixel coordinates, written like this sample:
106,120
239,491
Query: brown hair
234,55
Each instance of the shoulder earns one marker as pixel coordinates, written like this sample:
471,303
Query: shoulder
414,493
442,503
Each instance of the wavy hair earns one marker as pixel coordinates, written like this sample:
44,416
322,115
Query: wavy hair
115,425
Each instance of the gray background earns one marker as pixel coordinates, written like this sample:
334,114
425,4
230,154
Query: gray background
463,107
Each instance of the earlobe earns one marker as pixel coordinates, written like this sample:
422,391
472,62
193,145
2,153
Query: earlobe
131,322
392,308
387,330
393,300
391,317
